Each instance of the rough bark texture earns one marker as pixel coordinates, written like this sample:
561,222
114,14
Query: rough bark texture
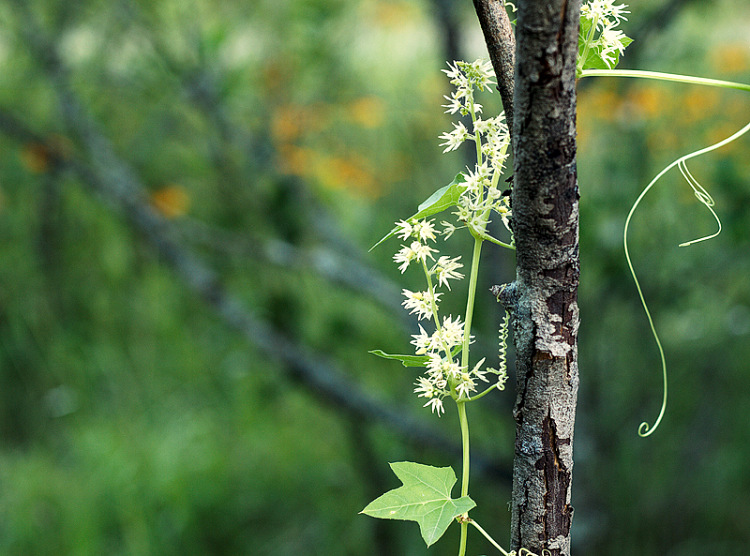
544,296
501,45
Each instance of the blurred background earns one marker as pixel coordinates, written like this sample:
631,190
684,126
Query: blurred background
188,190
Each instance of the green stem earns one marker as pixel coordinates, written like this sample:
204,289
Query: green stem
470,300
496,241
488,537
660,76
464,422
477,139
587,46
433,307
482,394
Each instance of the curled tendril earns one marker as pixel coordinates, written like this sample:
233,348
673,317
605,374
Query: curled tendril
520,552
527,552
502,366
703,196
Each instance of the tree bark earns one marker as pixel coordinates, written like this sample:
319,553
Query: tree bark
501,45
544,297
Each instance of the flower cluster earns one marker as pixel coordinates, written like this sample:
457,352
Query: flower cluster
466,77
446,373
443,373
598,34
492,140
606,12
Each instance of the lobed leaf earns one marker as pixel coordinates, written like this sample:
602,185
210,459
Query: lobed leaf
425,497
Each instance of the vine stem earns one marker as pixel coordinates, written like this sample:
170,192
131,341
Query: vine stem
645,429
587,47
661,76
489,538
465,471
470,300
463,420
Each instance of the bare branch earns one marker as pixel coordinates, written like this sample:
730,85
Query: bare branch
329,383
115,182
501,44
337,268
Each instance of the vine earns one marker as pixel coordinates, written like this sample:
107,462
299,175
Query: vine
474,196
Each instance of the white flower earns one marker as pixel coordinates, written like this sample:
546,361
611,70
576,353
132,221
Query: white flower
448,229
603,10
424,230
404,229
439,368
611,39
422,252
414,251
451,332
424,388
422,342
476,180
482,126
454,105
453,139
479,73
477,372
465,387
445,269
453,72
420,302
437,405
404,256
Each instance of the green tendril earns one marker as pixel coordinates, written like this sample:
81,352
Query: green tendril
502,365
521,552
703,196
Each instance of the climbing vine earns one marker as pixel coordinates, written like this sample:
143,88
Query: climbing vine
442,348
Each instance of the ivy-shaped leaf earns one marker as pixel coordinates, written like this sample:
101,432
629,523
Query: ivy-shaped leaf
425,497
442,199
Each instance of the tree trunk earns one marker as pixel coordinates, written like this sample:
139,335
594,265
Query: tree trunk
543,300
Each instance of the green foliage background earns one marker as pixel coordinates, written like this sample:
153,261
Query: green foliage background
134,421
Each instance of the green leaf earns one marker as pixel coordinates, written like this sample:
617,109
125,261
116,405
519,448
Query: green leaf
410,360
442,199
406,360
594,58
425,497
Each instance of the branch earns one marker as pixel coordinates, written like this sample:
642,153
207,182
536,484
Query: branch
320,375
114,181
341,261
449,27
501,44
337,268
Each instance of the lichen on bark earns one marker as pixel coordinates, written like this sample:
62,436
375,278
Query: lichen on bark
546,320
